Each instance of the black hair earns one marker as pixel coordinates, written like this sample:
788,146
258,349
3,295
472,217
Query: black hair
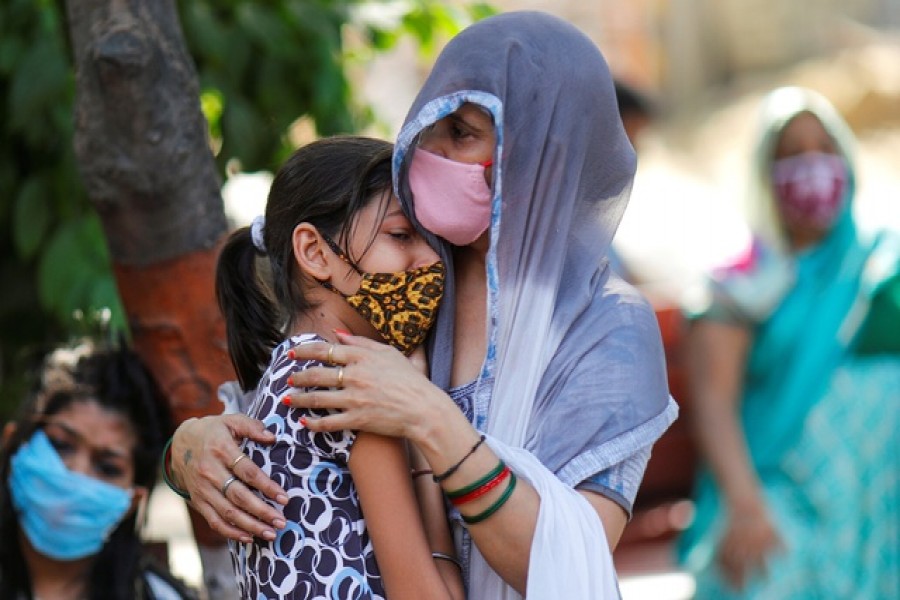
325,184
117,380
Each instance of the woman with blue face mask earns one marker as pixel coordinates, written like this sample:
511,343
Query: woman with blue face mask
793,357
77,470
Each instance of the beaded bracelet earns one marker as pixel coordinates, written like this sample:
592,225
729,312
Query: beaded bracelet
495,506
166,463
459,499
452,470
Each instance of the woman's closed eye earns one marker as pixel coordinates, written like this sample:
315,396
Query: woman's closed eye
459,132
404,237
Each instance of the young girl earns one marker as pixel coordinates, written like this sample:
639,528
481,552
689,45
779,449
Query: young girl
76,468
341,257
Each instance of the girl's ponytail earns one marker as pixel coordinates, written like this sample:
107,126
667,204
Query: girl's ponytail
251,317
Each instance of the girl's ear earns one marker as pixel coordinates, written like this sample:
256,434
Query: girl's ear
311,252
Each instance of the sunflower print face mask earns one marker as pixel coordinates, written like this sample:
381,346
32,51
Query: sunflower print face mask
401,306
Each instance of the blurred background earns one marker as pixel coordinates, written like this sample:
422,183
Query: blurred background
273,75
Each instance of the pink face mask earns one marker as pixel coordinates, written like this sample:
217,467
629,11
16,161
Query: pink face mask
451,199
810,188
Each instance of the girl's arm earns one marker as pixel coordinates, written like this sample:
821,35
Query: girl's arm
434,519
380,470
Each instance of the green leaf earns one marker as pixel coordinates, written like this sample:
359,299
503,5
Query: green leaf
41,79
31,216
264,27
247,132
75,259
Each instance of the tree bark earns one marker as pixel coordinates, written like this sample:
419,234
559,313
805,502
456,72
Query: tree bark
141,146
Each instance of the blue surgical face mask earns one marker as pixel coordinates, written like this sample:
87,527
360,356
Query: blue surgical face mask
65,515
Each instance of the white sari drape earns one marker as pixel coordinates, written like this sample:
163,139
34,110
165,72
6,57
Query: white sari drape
570,557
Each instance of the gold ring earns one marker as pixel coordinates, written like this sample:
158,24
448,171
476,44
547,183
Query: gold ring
330,359
227,483
236,461
340,374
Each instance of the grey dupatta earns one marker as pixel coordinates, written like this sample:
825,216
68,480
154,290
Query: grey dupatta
574,359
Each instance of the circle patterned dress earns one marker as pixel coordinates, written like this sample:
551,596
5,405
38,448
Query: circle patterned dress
325,550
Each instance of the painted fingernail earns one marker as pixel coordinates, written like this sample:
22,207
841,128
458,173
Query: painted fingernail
289,382
342,332
279,523
269,534
303,421
281,499
291,354
286,400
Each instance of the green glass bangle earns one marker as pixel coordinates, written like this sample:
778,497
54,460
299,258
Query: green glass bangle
495,506
165,472
471,488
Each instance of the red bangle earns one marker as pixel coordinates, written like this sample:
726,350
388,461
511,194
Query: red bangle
482,490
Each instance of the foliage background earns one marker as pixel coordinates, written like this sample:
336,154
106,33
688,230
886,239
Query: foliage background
262,65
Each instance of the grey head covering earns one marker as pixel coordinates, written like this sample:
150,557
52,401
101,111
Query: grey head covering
574,354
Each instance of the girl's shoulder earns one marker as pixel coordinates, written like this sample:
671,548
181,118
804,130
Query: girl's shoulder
280,363
279,353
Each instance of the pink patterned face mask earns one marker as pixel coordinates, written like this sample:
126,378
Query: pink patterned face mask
810,189
451,199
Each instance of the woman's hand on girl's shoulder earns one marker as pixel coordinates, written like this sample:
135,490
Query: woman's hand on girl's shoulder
205,455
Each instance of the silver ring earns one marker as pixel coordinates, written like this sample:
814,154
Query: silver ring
340,375
330,359
227,483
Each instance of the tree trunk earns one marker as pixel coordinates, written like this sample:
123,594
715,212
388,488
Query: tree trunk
141,145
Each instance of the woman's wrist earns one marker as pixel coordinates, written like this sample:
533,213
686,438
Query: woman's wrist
174,473
168,474
446,437
747,501
439,422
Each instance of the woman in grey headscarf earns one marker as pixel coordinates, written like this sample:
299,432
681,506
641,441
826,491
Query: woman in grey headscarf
514,161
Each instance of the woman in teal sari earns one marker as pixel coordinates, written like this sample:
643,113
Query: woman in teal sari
794,362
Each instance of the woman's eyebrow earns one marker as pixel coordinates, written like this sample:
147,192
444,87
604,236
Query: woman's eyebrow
460,120
84,439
